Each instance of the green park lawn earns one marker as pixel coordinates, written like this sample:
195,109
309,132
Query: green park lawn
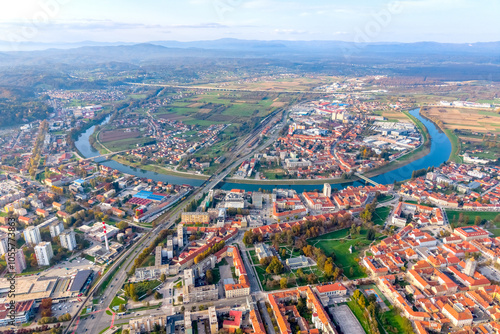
149,261
472,215
343,258
380,215
117,301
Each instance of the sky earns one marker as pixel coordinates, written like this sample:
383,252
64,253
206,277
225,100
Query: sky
57,21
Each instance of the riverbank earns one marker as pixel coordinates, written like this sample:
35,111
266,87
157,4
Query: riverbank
454,140
399,170
159,169
418,153
291,181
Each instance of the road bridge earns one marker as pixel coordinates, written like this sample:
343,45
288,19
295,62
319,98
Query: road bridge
361,176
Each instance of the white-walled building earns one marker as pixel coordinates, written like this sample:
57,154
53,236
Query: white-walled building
56,228
44,253
32,235
68,240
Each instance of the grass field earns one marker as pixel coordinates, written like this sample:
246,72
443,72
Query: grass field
149,261
329,243
455,146
126,144
117,301
380,215
472,215
358,313
264,276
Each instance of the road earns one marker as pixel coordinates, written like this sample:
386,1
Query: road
102,320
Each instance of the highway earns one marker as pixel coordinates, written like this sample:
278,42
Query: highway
100,320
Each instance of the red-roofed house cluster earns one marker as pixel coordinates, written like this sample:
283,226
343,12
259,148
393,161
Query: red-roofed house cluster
284,313
443,286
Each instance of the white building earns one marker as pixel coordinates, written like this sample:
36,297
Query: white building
68,240
180,235
56,228
44,253
327,190
234,200
4,244
32,235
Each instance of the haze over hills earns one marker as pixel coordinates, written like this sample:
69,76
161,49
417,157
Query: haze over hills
446,61
252,48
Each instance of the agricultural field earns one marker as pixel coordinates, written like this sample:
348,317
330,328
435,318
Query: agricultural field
218,107
393,116
465,127
279,84
477,120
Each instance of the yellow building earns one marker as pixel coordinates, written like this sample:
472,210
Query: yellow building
195,217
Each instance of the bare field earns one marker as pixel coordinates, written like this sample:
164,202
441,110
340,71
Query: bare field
396,115
195,105
172,116
204,110
278,104
471,139
114,135
466,119
301,84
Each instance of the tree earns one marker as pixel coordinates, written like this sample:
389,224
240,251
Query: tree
312,278
356,294
283,282
180,299
163,277
366,216
370,235
157,295
121,308
122,225
477,220
210,276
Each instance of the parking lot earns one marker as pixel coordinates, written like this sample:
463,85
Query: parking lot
67,268
59,309
490,272
346,319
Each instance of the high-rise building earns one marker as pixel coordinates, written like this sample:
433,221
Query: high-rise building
327,190
180,235
257,199
4,243
212,317
470,267
32,235
68,240
17,262
44,253
56,228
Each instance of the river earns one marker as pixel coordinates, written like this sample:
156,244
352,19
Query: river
439,152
